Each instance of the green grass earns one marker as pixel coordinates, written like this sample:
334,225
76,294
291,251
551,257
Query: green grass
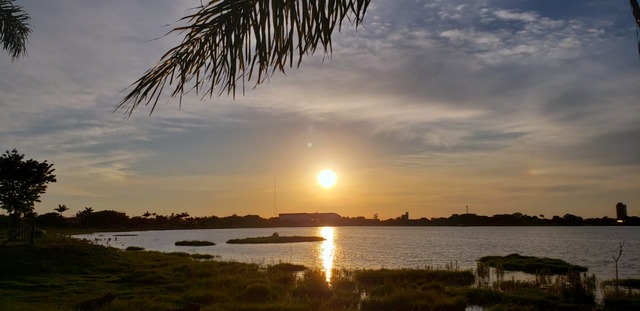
194,243
59,272
530,264
134,248
276,239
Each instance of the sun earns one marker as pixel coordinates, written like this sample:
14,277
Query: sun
327,178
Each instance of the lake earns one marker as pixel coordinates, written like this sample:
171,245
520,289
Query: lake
404,247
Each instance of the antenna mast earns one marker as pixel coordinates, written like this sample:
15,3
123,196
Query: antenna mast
275,207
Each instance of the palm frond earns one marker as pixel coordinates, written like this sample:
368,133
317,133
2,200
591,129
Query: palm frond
230,42
635,9
14,29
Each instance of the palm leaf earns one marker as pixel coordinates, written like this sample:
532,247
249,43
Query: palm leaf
229,42
14,29
635,9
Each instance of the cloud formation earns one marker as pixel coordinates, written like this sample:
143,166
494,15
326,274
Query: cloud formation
506,106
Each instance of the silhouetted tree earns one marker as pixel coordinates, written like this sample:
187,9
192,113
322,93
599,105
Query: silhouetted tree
21,184
86,211
571,219
83,215
106,219
61,209
14,28
51,220
616,258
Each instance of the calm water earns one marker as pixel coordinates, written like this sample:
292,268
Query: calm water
405,247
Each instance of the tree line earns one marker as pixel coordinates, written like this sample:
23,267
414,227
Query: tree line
109,219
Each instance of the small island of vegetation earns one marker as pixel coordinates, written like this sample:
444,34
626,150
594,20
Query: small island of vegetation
134,248
276,238
194,243
530,264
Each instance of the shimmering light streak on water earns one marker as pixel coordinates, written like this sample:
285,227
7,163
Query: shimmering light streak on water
327,251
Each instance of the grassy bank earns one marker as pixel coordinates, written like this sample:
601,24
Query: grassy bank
58,273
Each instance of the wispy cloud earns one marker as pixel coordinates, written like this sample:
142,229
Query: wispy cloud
500,103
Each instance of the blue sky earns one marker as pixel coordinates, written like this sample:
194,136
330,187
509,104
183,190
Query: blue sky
502,106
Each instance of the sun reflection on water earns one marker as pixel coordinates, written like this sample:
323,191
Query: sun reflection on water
327,251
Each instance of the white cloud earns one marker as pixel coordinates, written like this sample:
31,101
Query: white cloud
516,16
449,87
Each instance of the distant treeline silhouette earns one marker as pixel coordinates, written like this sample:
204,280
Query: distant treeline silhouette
109,219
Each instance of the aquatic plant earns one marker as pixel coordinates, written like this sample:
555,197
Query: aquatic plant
530,264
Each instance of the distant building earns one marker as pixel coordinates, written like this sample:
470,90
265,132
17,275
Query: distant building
310,217
621,211
405,216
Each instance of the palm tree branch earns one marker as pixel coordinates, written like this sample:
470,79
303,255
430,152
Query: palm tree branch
229,42
14,29
635,8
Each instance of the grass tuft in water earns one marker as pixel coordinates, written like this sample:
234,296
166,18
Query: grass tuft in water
530,264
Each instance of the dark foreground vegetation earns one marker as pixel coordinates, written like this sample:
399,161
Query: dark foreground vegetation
59,273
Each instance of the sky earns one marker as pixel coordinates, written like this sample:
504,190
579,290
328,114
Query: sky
501,106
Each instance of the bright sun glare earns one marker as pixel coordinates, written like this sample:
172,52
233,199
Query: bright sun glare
327,178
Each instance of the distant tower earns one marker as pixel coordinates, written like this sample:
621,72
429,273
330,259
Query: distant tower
621,211
275,207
